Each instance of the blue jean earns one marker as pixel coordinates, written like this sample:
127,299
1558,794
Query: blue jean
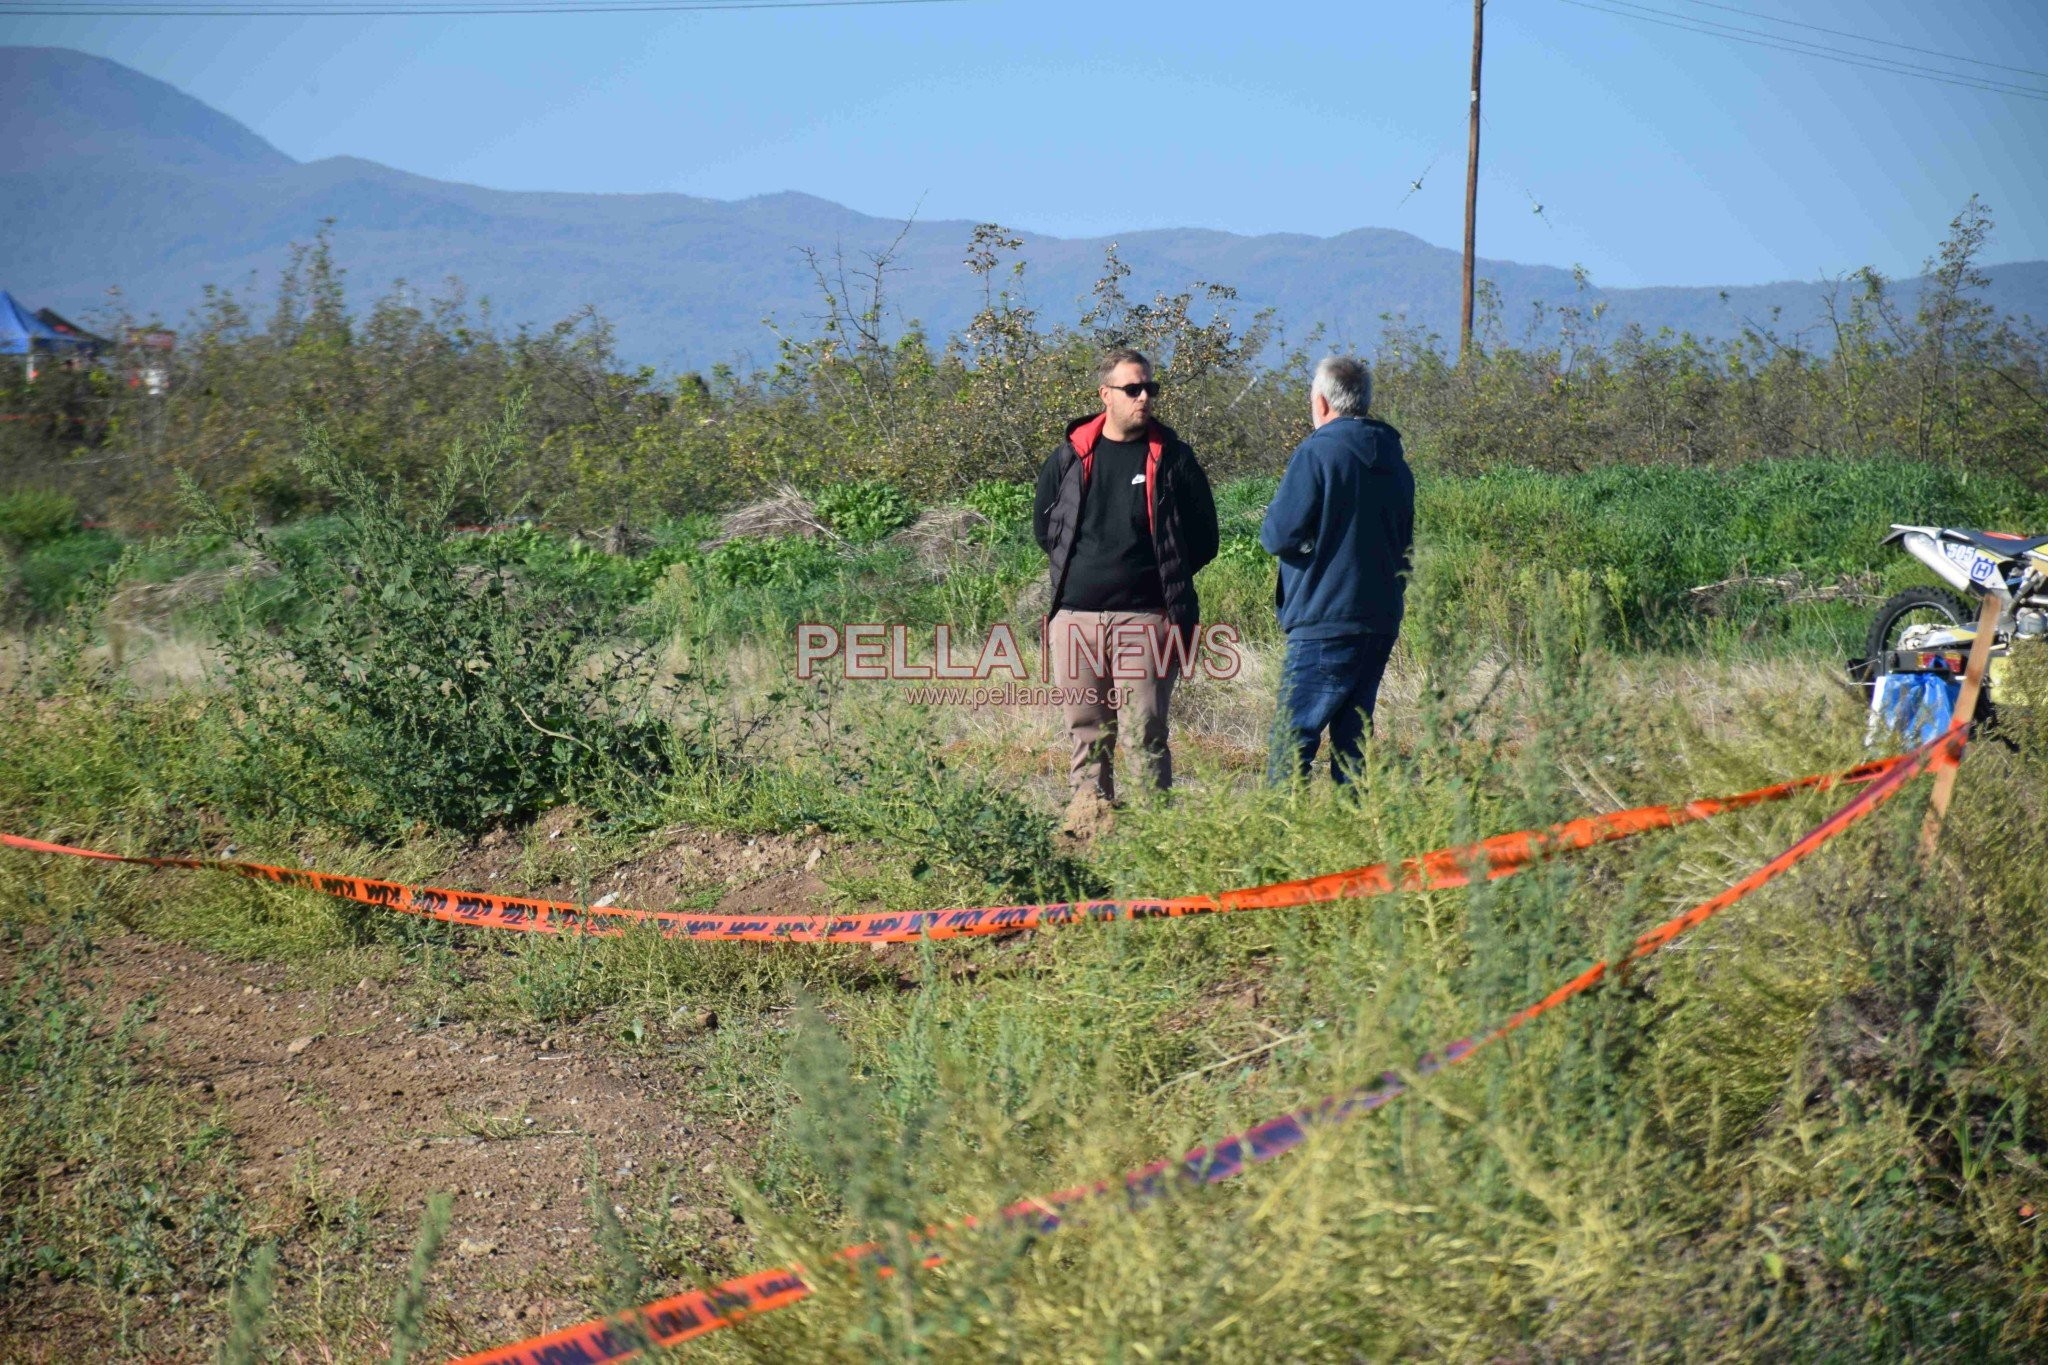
1331,683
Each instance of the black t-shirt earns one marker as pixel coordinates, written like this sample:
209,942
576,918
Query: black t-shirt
1114,567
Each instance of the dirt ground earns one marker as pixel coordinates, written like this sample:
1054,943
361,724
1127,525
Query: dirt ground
335,1091
332,1094
703,869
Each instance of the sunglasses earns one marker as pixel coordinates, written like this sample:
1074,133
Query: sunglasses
1150,388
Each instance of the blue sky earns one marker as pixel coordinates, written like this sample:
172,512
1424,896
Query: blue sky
1660,157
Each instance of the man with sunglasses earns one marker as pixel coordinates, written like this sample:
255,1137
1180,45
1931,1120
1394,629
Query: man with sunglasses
1342,524
1125,517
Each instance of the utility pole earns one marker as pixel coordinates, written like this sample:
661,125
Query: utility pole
1472,182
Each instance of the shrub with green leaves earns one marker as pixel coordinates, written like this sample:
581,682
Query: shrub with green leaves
785,561
1002,502
425,678
865,510
577,566
1642,538
50,575
52,554
36,516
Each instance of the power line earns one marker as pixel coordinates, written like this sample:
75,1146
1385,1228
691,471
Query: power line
372,9
1628,9
1807,45
1865,38
1799,47
1787,43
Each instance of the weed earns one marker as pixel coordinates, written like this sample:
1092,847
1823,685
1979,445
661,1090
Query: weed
492,1127
1802,1132
52,574
114,1184
890,787
864,510
1004,503
35,517
409,1312
438,691
249,1308
783,561
566,981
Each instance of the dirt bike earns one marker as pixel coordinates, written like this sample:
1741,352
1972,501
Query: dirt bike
1923,629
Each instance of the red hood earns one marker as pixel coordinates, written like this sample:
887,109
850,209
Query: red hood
1084,432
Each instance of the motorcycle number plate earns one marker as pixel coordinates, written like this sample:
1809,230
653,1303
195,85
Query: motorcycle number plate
1981,568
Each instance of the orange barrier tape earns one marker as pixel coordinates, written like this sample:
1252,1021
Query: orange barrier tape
683,1317
1500,856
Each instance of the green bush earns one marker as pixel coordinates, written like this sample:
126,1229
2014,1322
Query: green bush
786,561
51,574
953,820
1241,503
52,554
865,510
35,516
1002,502
575,566
425,678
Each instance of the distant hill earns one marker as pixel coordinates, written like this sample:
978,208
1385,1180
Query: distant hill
112,179
61,108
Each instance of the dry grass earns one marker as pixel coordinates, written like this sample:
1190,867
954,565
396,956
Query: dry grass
940,537
786,512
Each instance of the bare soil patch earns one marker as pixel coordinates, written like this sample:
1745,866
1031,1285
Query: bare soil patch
332,1095
686,869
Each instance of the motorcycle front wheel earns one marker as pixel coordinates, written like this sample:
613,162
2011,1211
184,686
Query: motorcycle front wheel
1913,607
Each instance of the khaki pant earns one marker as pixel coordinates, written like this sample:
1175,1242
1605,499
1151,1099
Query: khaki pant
1106,662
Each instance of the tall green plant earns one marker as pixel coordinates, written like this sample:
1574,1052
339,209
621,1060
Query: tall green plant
409,1309
249,1309
422,678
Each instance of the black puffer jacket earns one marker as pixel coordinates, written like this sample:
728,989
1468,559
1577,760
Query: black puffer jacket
1183,511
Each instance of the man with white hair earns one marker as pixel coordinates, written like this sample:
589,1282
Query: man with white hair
1342,525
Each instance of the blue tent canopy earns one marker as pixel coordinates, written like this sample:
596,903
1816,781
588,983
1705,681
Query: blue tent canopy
22,331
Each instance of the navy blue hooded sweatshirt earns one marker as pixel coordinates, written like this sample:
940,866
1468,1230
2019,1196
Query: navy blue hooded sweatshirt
1342,525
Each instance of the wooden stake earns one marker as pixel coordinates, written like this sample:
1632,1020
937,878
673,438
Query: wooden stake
1472,181
1966,711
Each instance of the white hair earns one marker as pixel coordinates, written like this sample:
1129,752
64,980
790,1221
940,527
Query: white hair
1344,382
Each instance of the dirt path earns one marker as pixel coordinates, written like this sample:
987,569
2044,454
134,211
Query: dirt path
333,1096
346,1111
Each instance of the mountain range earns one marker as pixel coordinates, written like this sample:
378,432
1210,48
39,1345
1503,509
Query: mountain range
110,179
